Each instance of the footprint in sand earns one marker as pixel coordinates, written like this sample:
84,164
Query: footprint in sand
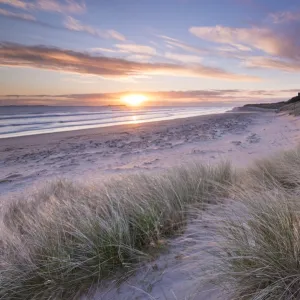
237,143
151,162
253,138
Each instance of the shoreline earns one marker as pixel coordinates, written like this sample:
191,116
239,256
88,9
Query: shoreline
93,153
89,156
79,132
69,125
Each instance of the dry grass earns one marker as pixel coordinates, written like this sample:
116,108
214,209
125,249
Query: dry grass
260,249
292,108
65,238
282,169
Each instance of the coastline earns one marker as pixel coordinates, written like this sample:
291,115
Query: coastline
94,155
91,153
47,122
101,130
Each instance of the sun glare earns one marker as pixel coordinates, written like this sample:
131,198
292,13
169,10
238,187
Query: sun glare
134,99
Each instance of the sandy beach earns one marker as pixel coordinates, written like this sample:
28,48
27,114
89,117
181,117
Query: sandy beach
89,154
85,155
149,150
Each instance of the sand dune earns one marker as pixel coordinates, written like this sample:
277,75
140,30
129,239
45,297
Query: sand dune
91,154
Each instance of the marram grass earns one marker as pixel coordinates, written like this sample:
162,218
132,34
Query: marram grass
260,249
66,238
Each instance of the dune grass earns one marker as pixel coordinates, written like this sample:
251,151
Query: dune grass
282,170
260,248
66,238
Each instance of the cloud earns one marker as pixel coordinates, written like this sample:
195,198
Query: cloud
284,17
185,58
69,6
264,39
241,47
17,3
135,48
205,97
75,25
179,44
66,6
116,35
101,50
134,52
21,16
139,57
43,57
272,63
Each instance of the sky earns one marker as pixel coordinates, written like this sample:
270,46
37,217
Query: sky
93,52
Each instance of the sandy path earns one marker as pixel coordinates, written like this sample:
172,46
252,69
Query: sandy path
97,152
175,274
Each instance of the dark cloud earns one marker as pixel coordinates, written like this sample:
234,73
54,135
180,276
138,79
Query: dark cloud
49,58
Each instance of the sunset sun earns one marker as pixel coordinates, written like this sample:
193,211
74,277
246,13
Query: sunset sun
134,99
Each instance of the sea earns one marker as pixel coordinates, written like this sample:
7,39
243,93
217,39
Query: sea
31,120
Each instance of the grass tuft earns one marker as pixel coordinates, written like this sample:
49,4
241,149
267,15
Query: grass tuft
66,238
260,248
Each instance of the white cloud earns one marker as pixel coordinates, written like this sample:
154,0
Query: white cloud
135,51
66,6
272,63
185,58
17,4
101,50
171,42
75,25
7,13
241,47
139,57
135,48
264,39
285,16
116,35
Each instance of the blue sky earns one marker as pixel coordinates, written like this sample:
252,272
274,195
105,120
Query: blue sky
111,47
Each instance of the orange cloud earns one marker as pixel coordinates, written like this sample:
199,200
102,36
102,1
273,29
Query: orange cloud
234,97
43,57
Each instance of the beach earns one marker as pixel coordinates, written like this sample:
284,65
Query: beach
149,150
90,154
94,154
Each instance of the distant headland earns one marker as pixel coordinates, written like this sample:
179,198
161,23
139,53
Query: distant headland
292,106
